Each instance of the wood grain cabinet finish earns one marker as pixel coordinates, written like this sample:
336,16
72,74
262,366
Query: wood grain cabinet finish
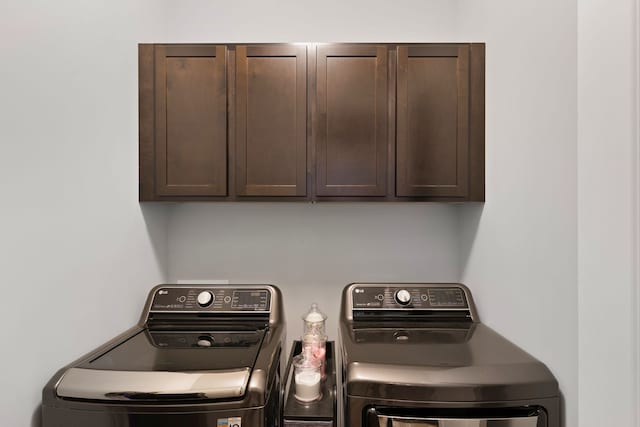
351,128
433,157
190,121
271,120
341,121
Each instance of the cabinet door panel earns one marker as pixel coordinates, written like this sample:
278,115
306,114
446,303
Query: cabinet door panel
432,121
351,128
191,121
271,120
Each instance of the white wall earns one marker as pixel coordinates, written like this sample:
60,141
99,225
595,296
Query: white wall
518,252
311,251
608,194
72,230
321,21
519,248
76,256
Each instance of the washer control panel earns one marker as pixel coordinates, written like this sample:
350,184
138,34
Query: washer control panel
200,340
393,297
217,300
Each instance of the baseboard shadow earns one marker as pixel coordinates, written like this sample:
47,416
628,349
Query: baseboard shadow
36,417
469,216
156,216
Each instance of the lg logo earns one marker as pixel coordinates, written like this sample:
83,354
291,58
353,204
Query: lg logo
230,422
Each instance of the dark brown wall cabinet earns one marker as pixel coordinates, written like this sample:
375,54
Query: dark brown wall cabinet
432,121
191,121
351,132
312,122
271,120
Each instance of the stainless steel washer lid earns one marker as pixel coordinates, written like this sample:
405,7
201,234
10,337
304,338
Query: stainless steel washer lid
167,365
94,384
441,365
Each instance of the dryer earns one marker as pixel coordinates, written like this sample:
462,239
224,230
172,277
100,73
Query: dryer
416,355
200,356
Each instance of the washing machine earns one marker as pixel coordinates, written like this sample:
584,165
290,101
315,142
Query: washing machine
416,355
199,356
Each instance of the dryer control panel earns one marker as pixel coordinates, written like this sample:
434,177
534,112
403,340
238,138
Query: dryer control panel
431,302
212,299
408,297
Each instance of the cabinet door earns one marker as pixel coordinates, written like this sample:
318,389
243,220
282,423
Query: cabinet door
351,126
191,120
271,120
432,121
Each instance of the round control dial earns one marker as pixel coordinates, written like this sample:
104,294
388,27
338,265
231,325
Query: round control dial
205,341
403,297
205,298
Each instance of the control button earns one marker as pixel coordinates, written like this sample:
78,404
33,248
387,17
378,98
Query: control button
181,298
205,341
205,298
403,297
424,297
401,336
227,299
379,297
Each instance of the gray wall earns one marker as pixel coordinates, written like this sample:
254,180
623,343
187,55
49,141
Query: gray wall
609,212
517,252
77,251
311,251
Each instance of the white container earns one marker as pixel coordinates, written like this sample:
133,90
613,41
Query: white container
307,378
314,321
316,346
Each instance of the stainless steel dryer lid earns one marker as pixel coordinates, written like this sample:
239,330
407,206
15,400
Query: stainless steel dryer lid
167,366
423,342
442,364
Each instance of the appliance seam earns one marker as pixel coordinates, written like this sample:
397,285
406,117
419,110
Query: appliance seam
635,188
635,199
